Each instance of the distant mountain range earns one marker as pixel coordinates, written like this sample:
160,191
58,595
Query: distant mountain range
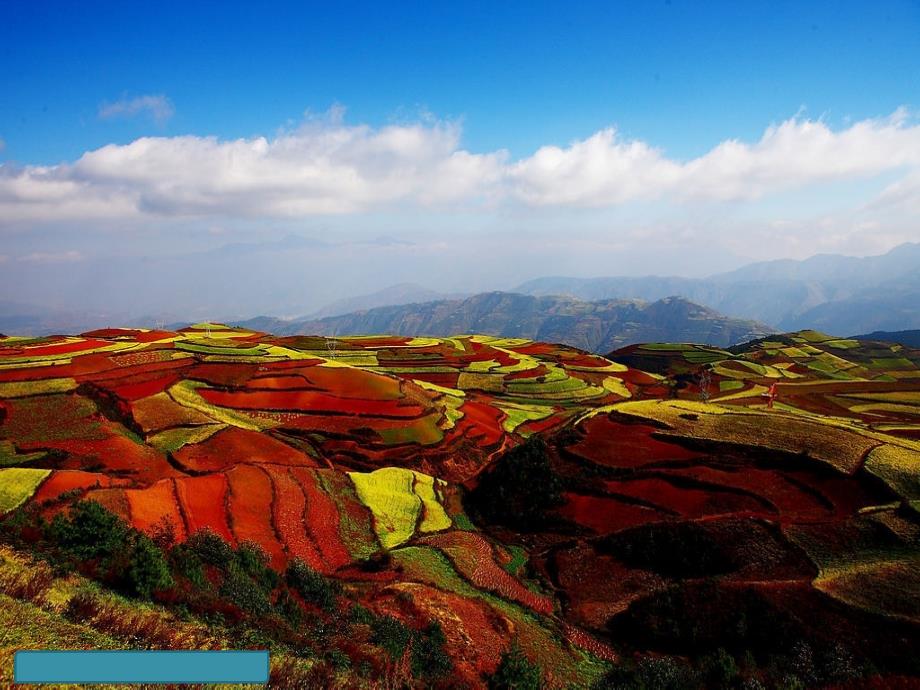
598,326
403,293
908,338
831,293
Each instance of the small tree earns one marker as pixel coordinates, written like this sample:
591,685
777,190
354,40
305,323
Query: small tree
705,381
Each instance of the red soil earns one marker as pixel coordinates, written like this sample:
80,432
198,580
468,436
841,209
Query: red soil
155,506
204,503
686,501
613,444
232,445
606,515
144,388
482,422
539,370
289,518
323,520
308,400
62,481
220,374
58,349
251,503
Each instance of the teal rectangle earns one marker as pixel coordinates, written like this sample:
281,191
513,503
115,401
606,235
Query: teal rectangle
167,666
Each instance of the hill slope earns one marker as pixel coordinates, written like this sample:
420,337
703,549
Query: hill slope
839,294
594,326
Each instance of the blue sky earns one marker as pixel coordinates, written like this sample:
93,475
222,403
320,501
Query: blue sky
684,75
642,137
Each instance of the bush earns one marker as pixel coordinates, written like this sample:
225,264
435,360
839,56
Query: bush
662,673
429,656
719,669
311,585
187,563
516,672
392,635
254,562
211,548
519,489
242,591
89,532
148,570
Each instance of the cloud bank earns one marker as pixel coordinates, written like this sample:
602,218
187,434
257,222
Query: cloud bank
328,167
157,106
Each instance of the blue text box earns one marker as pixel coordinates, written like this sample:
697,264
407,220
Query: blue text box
167,666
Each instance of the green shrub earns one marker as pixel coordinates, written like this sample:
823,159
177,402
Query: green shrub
148,570
89,532
187,563
244,592
211,548
516,672
519,489
311,585
429,655
391,634
254,562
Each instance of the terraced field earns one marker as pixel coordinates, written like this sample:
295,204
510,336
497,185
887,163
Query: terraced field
684,485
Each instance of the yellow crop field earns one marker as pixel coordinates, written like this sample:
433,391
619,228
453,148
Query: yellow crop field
17,484
396,498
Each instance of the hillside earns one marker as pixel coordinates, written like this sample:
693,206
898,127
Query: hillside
908,338
839,294
342,500
594,326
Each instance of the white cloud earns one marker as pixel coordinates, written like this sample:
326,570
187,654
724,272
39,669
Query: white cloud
52,257
2,145
328,167
157,106
604,169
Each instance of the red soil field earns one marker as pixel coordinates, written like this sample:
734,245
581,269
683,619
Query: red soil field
116,454
129,334
62,481
539,370
251,503
155,506
323,517
161,412
536,349
448,380
606,515
203,501
231,446
119,375
607,442
475,634
144,388
685,501
307,400
288,517
599,586
353,383
294,381
219,374
538,426
55,349
791,501
481,421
